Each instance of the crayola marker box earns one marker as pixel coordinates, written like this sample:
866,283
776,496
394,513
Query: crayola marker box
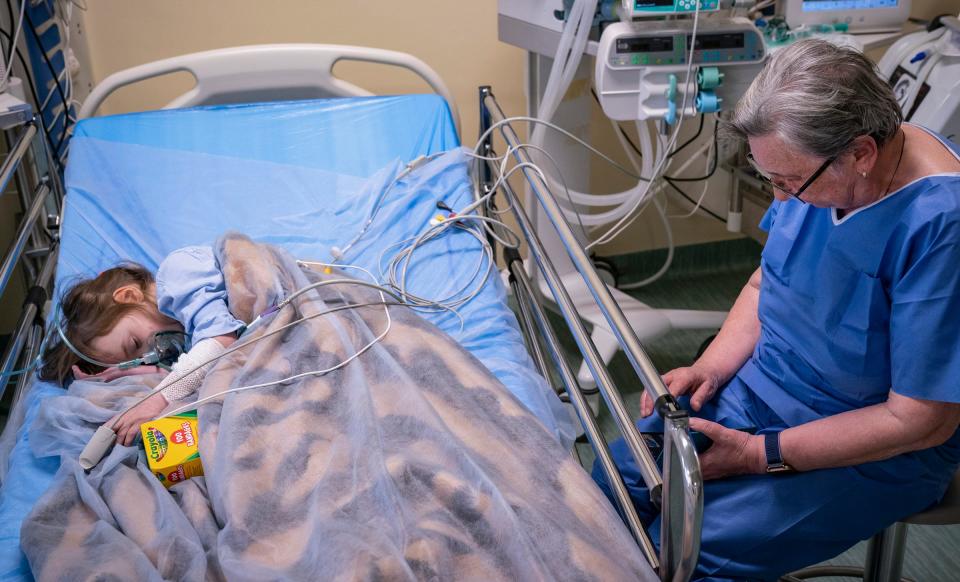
172,448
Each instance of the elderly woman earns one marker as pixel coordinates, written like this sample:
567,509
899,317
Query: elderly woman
843,349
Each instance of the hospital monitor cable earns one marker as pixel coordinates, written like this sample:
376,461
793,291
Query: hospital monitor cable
710,171
563,131
397,270
628,219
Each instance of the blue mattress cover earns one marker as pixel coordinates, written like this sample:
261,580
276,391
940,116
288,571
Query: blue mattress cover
301,175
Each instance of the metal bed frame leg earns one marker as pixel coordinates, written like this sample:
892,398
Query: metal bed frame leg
680,492
28,335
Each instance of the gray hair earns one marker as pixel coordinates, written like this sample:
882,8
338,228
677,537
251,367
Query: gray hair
817,97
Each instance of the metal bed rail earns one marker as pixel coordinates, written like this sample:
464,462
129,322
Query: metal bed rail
678,489
34,246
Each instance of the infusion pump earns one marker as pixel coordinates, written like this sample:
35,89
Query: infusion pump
641,67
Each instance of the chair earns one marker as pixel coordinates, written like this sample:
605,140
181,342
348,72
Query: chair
885,550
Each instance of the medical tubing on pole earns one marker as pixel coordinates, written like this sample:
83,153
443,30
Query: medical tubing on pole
646,161
537,121
582,18
573,41
584,199
584,412
624,222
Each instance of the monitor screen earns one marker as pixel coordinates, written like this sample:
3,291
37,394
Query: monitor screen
833,5
640,4
715,41
858,15
649,44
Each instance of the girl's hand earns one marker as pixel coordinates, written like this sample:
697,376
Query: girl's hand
695,380
733,452
129,425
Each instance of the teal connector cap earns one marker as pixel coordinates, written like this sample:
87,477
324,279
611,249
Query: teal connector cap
708,102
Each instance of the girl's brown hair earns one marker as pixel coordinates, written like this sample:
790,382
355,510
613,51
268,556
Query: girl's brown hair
87,312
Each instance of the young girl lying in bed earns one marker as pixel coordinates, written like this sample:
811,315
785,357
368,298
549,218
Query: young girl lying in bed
116,317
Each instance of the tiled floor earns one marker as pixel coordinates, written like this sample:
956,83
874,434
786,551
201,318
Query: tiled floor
710,277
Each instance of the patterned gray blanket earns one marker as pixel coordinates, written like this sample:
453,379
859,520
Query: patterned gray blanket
410,463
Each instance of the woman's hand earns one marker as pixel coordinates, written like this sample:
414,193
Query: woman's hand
733,452
700,383
129,424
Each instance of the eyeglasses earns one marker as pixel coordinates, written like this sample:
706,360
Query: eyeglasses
766,177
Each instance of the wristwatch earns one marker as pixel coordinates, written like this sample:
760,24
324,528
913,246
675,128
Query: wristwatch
775,462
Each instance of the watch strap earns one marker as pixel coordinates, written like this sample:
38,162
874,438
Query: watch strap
771,445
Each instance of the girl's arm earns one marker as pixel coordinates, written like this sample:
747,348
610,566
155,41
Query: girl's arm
184,379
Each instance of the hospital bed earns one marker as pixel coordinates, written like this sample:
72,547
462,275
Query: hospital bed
269,142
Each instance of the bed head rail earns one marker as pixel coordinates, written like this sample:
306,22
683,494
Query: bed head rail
266,72
678,489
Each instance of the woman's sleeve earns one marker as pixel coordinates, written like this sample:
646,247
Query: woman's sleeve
925,316
191,289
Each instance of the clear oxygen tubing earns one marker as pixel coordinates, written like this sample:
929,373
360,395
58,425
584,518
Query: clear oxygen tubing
573,42
625,203
582,143
200,402
561,75
564,68
629,217
645,166
706,183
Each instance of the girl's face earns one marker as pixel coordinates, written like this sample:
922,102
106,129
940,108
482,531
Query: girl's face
131,336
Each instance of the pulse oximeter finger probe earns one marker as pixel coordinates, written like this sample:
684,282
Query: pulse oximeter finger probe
97,448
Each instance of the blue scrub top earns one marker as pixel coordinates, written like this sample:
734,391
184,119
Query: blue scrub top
853,307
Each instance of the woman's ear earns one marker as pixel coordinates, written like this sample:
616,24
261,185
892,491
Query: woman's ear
128,294
865,152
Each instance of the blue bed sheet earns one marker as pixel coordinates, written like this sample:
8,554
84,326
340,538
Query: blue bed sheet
301,175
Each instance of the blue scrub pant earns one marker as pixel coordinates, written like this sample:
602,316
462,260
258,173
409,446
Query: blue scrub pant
758,527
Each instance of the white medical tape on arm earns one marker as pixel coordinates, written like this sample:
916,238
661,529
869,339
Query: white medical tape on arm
178,383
